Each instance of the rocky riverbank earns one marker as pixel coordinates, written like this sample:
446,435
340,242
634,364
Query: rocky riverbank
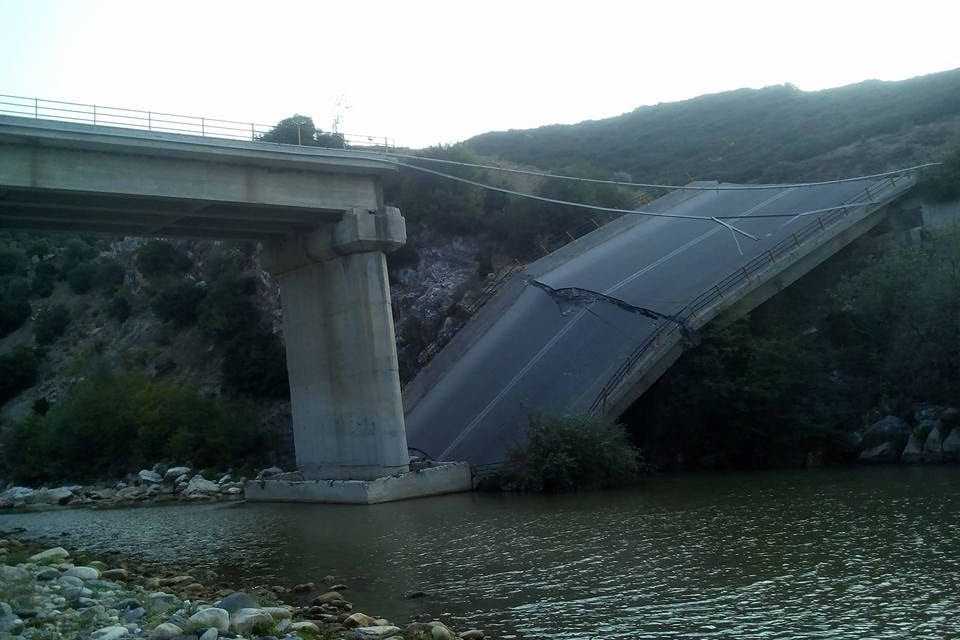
932,436
53,594
158,485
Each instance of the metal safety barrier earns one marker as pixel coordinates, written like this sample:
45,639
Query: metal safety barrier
710,296
161,122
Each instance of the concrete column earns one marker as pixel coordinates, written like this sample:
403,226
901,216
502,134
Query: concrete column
341,348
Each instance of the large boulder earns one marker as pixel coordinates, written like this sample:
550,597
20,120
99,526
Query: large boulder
881,453
214,618
269,472
84,573
18,495
378,632
54,555
238,600
933,446
913,452
199,486
951,446
149,477
175,472
245,621
887,429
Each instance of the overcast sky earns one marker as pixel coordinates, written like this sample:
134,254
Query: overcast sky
429,72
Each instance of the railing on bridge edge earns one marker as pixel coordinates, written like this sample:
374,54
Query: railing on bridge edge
732,281
159,122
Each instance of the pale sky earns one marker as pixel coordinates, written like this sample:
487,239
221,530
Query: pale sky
430,72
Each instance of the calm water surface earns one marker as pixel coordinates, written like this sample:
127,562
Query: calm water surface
862,553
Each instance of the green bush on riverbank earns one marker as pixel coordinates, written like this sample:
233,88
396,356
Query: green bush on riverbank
569,453
116,423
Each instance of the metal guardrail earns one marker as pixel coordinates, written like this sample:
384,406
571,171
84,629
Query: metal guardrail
711,295
159,122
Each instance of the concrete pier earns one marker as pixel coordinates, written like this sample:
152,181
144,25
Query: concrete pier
341,348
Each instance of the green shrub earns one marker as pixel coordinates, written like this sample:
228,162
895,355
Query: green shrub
81,277
119,308
44,280
111,424
51,323
12,262
76,252
254,364
228,310
18,371
14,305
178,303
158,258
109,274
569,453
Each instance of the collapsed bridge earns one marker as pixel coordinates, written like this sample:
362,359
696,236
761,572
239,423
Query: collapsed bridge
537,347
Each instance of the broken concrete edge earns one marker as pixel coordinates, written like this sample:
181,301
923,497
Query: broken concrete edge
449,477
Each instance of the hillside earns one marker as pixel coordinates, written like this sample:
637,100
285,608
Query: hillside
774,134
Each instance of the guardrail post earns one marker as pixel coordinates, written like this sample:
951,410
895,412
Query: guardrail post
253,132
149,121
36,108
203,127
94,114
796,240
770,255
820,222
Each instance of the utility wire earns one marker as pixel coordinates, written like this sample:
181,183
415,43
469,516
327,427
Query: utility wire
739,187
655,214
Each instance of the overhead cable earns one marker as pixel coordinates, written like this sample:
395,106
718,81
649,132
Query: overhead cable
737,187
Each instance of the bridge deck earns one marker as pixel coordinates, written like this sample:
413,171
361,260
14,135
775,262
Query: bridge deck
523,356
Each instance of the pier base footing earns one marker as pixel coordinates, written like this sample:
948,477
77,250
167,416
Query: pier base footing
453,477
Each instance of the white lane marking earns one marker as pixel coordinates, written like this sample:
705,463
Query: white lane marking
566,329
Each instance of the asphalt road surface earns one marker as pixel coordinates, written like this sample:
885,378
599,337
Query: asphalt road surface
531,358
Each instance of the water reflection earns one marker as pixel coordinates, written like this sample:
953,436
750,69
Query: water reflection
867,553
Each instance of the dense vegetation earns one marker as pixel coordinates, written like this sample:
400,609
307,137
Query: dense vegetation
112,424
569,453
816,363
765,135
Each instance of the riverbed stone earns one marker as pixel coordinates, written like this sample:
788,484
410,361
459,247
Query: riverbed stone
166,631
472,634
46,574
210,634
887,429
306,626
884,452
214,617
253,619
933,446
951,446
115,574
147,476
269,472
279,613
238,600
377,632
54,554
84,573
359,620
109,633
159,602
199,485
175,472
913,451
328,597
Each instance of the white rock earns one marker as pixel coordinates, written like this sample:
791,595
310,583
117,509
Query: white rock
213,617
174,473
245,620
109,633
60,495
149,477
225,479
376,633
56,554
84,573
210,634
17,494
199,486
166,631
305,626
278,613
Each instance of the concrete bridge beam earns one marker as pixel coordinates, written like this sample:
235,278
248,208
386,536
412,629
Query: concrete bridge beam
341,348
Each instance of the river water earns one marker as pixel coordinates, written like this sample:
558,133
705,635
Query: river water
849,553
